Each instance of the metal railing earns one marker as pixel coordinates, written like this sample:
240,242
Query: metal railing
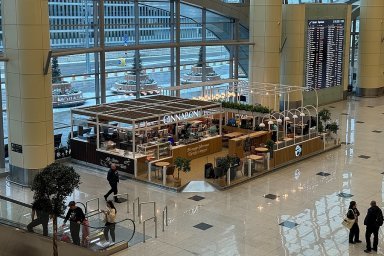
154,209
155,219
91,200
165,217
134,208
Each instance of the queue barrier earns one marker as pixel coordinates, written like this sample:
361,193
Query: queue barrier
143,203
155,220
91,200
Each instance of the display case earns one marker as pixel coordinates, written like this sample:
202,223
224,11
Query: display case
155,150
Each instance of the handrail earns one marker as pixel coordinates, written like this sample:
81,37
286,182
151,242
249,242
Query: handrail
102,227
125,194
155,219
15,201
165,217
154,209
91,200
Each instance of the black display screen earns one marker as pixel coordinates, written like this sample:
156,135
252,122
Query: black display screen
325,51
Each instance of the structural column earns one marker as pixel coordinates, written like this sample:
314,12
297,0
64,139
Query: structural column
29,94
264,56
370,80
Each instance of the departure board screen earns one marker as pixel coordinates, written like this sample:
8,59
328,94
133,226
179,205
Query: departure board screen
325,51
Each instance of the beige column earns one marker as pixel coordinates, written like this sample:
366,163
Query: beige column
264,56
370,75
29,94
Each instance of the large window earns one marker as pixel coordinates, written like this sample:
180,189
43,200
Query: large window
140,44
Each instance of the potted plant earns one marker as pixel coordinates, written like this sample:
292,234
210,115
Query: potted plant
324,116
228,162
181,164
52,185
332,129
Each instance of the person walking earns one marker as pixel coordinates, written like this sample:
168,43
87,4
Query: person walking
373,221
113,179
110,222
353,213
76,216
42,217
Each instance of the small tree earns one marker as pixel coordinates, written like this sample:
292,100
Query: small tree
139,67
56,72
182,164
53,185
324,116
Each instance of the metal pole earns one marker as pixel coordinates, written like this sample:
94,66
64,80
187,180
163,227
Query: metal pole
96,42
236,56
137,52
155,227
172,40
103,86
134,211
204,38
144,232
127,203
177,46
2,149
154,209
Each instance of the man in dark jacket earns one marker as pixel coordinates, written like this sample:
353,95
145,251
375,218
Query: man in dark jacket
42,217
113,179
373,221
76,217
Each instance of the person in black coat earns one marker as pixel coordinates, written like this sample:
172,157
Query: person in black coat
113,179
373,221
42,217
76,216
354,214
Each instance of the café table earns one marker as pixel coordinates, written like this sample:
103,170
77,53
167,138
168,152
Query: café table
163,165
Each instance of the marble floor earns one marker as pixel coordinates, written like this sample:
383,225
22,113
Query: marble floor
241,221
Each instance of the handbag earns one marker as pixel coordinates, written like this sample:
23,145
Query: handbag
347,222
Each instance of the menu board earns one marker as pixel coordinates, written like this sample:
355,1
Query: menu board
325,51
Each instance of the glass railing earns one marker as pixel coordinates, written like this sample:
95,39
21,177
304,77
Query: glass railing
19,215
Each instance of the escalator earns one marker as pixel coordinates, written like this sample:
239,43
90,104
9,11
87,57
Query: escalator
16,240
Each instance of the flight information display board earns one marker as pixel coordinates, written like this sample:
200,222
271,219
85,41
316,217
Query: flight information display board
325,51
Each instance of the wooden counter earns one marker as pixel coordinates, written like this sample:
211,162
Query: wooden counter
198,149
289,154
236,145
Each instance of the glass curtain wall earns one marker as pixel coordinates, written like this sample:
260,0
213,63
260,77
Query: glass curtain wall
102,49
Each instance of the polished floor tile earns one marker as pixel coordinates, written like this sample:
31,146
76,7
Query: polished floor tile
244,221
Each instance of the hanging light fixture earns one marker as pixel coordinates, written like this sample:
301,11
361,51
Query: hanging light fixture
262,125
302,114
295,116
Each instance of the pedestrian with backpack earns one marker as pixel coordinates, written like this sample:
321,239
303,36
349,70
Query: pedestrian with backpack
373,221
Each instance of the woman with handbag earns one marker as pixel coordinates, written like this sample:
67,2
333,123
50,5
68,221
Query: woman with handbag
353,213
110,217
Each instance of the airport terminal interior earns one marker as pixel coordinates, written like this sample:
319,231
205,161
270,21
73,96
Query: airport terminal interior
237,127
